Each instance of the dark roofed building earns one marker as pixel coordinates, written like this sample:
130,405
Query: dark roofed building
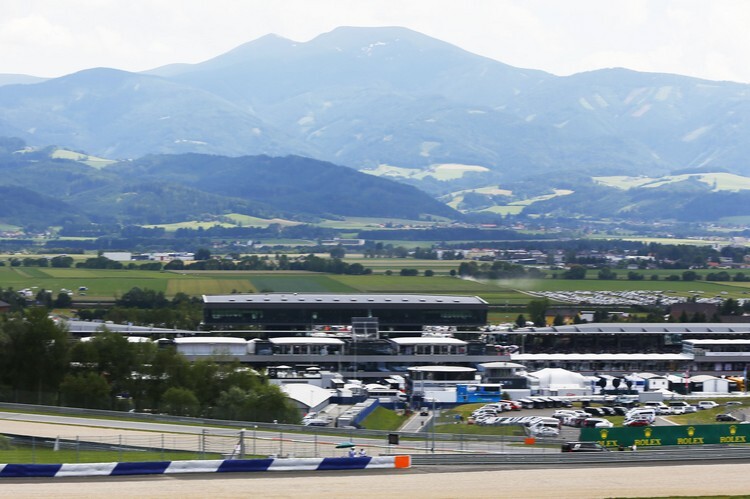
300,311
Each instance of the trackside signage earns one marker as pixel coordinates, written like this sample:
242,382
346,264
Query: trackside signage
656,436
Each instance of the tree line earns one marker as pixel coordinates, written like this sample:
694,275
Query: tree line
40,363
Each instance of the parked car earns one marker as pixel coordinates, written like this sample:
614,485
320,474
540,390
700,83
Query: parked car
659,407
726,418
626,400
681,407
575,421
636,422
707,404
597,423
620,410
641,413
608,411
561,414
514,404
315,422
583,447
544,431
733,402
594,411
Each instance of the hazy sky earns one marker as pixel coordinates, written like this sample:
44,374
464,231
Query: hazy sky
704,38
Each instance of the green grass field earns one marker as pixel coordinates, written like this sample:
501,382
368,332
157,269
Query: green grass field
106,285
383,419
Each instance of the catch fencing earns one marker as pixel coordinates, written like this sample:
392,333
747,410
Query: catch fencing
244,444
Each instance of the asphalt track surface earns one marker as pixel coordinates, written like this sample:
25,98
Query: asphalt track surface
427,482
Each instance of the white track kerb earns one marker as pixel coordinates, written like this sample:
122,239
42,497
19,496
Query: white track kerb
204,466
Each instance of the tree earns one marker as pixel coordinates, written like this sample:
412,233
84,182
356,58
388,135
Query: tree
175,264
338,252
537,310
690,275
202,254
429,273
63,300
44,298
180,402
607,274
520,321
88,390
35,356
231,404
575,272
730,306
62,261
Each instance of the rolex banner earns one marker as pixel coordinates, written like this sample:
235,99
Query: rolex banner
656,436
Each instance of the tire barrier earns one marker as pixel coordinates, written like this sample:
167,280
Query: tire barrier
203,466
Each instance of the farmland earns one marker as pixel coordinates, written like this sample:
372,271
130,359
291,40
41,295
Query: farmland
105,285
509,295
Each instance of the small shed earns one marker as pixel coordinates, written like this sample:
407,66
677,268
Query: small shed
709,384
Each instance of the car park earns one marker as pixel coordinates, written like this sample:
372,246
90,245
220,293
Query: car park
583,447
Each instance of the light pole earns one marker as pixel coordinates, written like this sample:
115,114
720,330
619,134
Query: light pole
255,429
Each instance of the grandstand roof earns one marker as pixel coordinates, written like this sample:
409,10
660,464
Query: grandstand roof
342,299
645,328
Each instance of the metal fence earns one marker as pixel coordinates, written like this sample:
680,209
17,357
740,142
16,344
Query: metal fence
247,443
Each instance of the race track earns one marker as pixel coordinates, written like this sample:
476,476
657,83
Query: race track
725,479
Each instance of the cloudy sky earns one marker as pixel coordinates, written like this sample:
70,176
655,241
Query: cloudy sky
707,39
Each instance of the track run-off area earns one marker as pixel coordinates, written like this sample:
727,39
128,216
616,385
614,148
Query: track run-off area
418,482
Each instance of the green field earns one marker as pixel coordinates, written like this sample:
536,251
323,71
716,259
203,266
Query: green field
106,285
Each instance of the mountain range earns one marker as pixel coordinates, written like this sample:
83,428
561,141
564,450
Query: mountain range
37,188
393,102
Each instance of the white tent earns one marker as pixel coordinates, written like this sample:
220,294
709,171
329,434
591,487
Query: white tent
556,381
710,384
307,397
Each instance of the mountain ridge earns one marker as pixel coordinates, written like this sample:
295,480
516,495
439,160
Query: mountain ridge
368,98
